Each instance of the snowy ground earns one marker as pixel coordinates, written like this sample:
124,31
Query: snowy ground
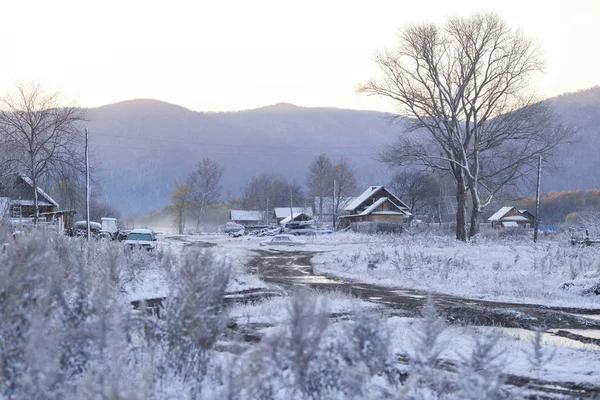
508,270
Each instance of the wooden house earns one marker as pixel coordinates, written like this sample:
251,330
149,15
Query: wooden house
376,204
248,218
21,193
510,216
283,212
297,216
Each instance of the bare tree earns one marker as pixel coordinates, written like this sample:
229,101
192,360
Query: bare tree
40,136
320,180
271,188
204,183
344,177
465,87
419,189
180,201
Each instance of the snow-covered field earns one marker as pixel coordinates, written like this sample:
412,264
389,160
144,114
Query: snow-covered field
287,341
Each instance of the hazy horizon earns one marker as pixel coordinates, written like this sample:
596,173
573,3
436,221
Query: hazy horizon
232,56
287,103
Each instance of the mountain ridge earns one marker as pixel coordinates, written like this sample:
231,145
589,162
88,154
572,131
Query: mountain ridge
146,144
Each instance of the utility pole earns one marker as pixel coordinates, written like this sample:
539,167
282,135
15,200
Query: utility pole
267,214
87,186
333,205
537,201
291,206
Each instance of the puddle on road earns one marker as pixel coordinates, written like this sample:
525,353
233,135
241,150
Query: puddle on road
548,338
315,279
410,294
589,333
596,317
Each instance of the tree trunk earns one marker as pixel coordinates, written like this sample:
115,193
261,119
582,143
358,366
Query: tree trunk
474,228
461,209
35,202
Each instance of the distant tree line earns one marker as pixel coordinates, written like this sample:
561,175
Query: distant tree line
565,207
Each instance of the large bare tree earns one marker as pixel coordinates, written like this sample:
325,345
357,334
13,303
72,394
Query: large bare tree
320,180
344,177
41,138
204,182
465,87
419,189
272,189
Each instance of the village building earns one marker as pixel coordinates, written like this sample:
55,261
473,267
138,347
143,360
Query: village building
20,195
376,204
283,212
511,217
248,218
18,205
298,217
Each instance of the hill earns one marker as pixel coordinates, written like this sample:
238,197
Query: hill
146,145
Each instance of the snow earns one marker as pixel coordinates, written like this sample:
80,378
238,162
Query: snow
500,213
243,215
283,212
40,191
296,215
362,198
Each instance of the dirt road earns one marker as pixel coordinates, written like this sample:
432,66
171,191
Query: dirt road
288,268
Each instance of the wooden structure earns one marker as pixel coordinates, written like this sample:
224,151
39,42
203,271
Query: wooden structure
376,204
20,193
248,218
283,212
298,216
510,216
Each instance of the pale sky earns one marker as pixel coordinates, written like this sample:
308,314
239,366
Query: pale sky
232,55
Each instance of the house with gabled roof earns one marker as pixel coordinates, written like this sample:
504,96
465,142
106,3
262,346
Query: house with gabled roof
20,194
510,216
248,217
297,216
283,212
376,204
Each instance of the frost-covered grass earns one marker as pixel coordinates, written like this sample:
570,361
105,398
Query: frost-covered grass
512,269
68,331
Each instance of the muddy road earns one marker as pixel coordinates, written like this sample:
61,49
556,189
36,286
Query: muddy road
287,269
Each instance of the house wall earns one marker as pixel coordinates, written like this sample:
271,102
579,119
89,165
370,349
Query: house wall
398,219
345,222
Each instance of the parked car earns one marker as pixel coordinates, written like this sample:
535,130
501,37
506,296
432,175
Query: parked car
141,238
268,232
299,228
282,240
80,229
232,227
237,233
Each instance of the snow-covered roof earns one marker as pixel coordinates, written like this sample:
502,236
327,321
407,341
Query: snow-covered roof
362,198
246,215
371,191
29,203
500,213
516,218
40,191
374,206
296,215
282,212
